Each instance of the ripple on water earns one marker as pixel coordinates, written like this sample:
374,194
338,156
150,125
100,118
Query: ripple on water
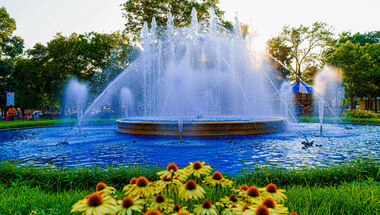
100,144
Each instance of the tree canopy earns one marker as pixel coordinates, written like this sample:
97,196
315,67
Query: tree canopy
139,11
299,49
41,77
10,45
359,58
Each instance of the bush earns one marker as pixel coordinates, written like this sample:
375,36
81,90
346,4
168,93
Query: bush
362,114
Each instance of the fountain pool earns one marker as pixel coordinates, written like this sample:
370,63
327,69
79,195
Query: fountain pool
101,144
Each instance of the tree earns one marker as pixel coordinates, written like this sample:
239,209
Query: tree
42,76
10,45
299,49
139,11
369,37
361,68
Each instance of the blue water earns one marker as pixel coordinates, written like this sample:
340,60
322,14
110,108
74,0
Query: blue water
101,144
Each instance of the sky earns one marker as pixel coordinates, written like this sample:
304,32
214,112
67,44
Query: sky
39,20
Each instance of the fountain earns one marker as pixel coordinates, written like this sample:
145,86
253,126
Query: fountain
198,81
75,99
326,85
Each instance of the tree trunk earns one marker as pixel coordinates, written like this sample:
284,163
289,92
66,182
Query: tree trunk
375,104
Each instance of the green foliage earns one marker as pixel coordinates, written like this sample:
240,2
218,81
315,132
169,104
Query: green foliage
23,198
361,68
23,124
63,178
10,45
299,49
41,78
369,37
361,114
348,198
334,174
139,11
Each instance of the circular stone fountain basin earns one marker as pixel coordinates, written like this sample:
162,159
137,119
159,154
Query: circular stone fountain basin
199,128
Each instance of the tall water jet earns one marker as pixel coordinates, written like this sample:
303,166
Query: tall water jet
287,105
76,97
127,102
326,85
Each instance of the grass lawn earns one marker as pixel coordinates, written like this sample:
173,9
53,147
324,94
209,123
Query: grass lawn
23,124
349,188
41,123
372,121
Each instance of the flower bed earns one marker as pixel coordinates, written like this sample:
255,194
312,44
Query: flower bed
182,192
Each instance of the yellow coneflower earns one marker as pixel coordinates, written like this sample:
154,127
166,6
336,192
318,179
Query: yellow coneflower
228,201
217,179
190,190
142,188
246,209
243,189
262,210
160,202
273,207
172,170
177,208
272,191
198,168
169,183
252,195
95,203
205,208
128,205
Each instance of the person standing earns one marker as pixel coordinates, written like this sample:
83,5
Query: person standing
19,114
11,113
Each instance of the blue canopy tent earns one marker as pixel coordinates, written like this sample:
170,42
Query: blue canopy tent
301,87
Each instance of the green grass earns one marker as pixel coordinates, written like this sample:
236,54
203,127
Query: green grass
42,123
21,198
374,121
350,188
347,198
23,124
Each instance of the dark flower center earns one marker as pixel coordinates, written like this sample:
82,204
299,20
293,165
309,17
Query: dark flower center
272,188
262,210
176,207
253,191
190,185
197,165
217,175
153,212
133,180
127,202
160,198
100,186
269,202
142,181
172,166
206,204
244,187
233,198
94,199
